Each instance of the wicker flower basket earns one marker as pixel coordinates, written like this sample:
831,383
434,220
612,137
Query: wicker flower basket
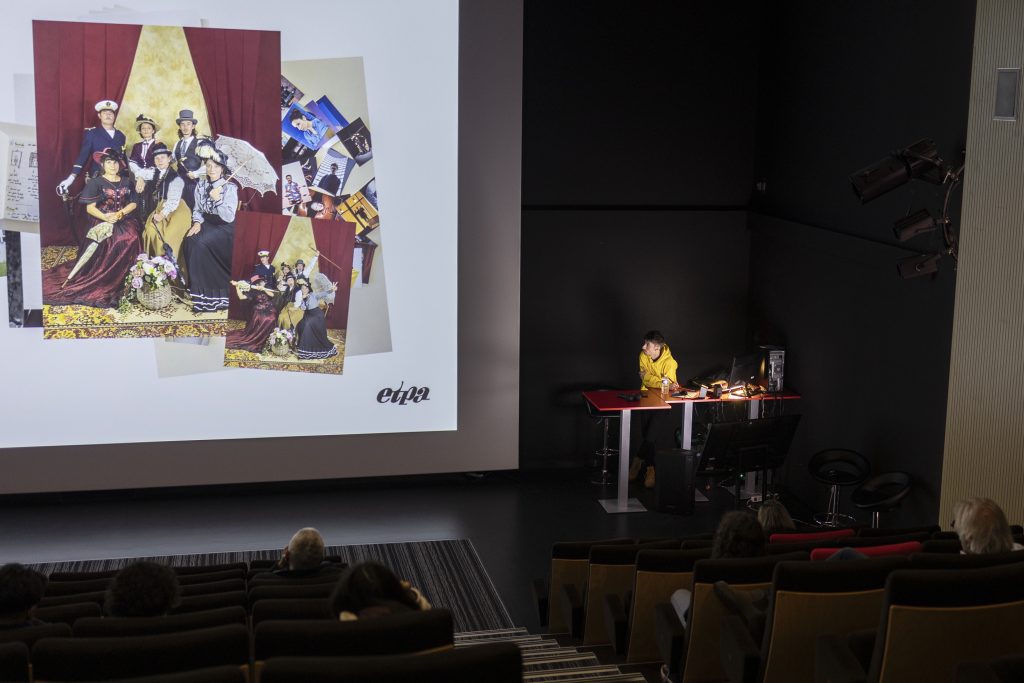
279,349
156,298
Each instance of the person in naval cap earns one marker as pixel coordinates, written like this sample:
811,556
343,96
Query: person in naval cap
94,140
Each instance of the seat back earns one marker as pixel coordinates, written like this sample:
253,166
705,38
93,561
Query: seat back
809,536
659,574
493,662
907,548
91,659
208,577
817,598
290,608
68,614
279,592
75,587
200,603
14,662
959,561
406,633
569,567
214,674
702,660
82,576
210,568
271,579
610,572
868,532
30,634
930,618
95,596
207,588
94,627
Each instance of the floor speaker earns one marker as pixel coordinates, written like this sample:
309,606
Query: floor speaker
673,481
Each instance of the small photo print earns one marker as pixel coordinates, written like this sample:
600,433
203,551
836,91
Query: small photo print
358,209
356,138
369,191
304,127
289,93
333,172
331,114
295,188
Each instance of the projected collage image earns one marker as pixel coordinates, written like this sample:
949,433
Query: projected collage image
148,169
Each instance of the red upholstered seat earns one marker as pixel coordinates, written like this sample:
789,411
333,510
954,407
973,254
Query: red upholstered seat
811,536
871,550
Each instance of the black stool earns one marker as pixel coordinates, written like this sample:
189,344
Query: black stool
837,467
881,493
604,452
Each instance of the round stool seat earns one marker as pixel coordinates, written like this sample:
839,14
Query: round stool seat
882,492
839,467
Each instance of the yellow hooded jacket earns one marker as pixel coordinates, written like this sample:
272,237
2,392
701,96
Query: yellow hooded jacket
654,370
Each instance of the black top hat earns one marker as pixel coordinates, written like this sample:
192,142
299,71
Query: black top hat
185,115
160,148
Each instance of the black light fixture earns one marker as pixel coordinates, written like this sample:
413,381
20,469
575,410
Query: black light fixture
920,160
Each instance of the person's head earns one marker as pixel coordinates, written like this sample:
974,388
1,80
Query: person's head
257,281
285,269
186,123
161,156
299,120
371,589
982,527
334,168
21,589
774,516
264,257
288,178
654,342
305,550
300,266
290,280
145,127
142,589
109,160
106,112
738,535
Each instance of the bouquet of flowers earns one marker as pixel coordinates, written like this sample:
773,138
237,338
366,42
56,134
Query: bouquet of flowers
280,341
148,281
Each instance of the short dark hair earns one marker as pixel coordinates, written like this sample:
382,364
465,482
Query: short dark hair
739,534
334,166
372,587
296,114
654,336
21,588
142,589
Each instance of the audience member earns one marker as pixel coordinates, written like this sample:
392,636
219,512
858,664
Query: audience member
982,527
774,517
304,556
371,590
739,534
142,589
21,589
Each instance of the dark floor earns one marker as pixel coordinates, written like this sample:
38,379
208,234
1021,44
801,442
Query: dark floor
512,518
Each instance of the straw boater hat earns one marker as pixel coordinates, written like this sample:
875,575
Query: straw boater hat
141,119
109,153
185,115
106,104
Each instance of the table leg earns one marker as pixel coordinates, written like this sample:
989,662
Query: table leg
686,437
622,502
755,409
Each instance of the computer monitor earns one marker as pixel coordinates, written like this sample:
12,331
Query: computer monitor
748,369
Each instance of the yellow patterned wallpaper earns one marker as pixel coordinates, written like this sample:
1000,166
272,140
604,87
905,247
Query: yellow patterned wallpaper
163,81
298,243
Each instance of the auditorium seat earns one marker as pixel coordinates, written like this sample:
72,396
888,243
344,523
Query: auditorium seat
692,652
82,576
206,588
568,566
216,674
67,614
200,603
868,532
95,627
807,599
942,545
271,579
395,634
494,663
209,568
75,587
1008,669
659,573
279,592
891,549
208,577
810,536
95,596
1015,529
610,570
30,634
14,662
961,561
290,608
91,659
931,620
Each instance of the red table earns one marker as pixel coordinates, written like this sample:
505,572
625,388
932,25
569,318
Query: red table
609,401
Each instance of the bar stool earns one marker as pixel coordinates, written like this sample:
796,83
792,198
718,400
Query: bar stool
881,493
837,467
604,452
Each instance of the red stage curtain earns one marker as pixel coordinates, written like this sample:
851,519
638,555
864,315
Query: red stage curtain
76,66
335,240
253,231
240,76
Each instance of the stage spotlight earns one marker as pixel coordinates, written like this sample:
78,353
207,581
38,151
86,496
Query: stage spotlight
919,160
913,225
922,264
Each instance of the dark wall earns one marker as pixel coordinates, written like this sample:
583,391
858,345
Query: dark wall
842,84
593,283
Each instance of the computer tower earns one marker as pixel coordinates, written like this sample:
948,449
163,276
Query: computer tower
673,481
775,362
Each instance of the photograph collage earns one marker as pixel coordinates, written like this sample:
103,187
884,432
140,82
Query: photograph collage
187,199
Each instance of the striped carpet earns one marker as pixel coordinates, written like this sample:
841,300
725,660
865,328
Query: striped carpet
449,573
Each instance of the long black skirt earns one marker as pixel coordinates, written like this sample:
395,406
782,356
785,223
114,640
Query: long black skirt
208,260
313,341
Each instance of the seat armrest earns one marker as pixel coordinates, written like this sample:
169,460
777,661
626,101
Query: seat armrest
572,610
834,663
670,635
540,597
741,656
616,622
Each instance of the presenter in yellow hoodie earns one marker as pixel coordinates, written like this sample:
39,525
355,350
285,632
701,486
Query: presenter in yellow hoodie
656,365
